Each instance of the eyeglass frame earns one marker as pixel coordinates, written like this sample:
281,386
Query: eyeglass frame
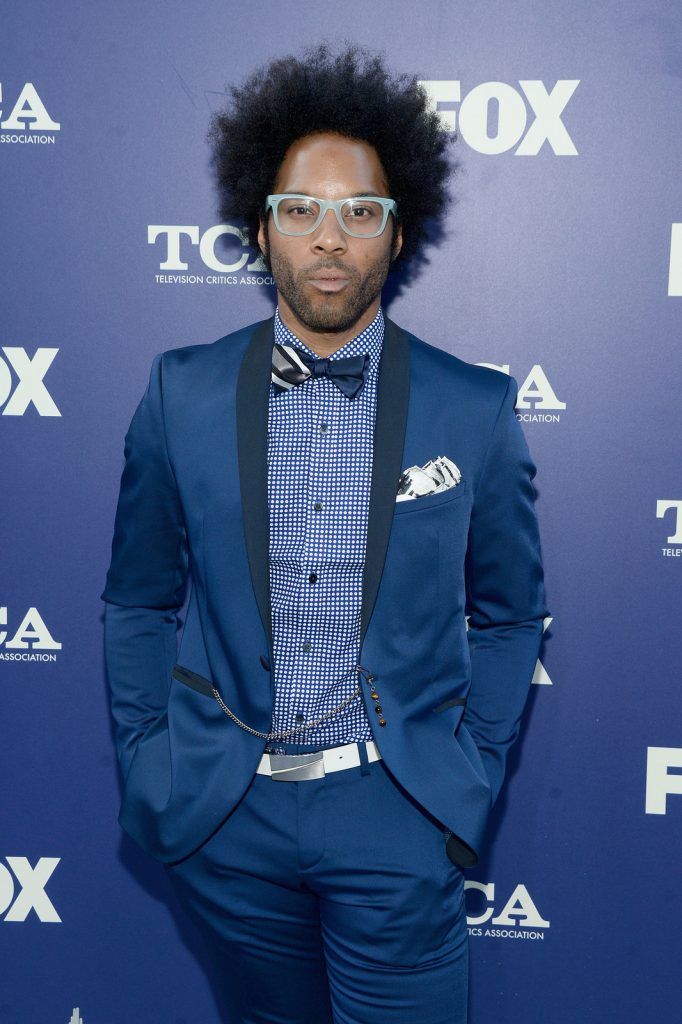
272,202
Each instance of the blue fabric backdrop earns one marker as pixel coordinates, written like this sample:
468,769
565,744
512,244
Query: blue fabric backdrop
562,265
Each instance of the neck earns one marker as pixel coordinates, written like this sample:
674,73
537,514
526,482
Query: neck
325,343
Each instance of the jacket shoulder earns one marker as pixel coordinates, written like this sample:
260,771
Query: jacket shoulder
204,355
481,384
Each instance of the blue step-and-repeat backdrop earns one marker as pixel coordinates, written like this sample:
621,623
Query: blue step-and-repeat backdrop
562,265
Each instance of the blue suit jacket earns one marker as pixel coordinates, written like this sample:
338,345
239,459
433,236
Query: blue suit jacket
193,501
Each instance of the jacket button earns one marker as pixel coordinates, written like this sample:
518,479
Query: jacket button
382,721
374,695
377,708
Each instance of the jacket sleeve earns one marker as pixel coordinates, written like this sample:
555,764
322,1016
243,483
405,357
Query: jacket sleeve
146,576
505,592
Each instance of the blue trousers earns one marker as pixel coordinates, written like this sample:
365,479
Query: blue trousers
330,901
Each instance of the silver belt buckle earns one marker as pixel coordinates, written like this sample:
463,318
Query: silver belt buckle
297,767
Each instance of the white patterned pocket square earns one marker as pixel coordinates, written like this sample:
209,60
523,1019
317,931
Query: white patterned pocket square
435,475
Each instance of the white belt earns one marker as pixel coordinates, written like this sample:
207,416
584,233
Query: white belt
316,764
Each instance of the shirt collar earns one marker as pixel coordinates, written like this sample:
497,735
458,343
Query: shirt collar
369,340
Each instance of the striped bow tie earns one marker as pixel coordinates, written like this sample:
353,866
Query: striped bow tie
291,366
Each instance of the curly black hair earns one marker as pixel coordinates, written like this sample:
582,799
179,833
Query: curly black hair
352,94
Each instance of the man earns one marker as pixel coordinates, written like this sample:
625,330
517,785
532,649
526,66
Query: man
316,764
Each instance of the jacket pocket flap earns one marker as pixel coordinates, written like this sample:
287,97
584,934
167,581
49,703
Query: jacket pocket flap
455,702
193,679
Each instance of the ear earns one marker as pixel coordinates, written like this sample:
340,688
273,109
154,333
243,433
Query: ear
397,241
261,233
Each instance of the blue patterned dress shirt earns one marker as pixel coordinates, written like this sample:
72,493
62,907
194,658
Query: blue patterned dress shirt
320,450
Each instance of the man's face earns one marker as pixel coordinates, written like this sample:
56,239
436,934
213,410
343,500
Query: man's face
329,166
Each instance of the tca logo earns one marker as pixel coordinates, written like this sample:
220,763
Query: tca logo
31,634
675,262
664,505
501,105
30,388
31,894
173,233
518,911
28,112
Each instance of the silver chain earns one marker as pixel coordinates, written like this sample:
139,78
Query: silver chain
296,728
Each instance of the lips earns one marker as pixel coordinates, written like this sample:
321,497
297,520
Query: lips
329,282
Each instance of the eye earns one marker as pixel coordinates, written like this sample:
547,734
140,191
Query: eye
367,211
299,210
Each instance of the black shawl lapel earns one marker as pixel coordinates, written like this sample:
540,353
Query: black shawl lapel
253,389
253,392
393,393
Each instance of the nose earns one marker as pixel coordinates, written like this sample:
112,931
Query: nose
329,236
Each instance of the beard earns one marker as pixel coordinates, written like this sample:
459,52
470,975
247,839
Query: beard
333,312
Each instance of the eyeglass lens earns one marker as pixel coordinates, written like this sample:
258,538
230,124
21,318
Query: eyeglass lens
360,216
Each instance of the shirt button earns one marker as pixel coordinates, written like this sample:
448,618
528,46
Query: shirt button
324,427
317,506
306,646
300,717
312,578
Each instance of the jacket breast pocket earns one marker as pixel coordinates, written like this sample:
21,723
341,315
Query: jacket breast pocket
433,500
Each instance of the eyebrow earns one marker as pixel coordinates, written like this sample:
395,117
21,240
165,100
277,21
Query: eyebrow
353,195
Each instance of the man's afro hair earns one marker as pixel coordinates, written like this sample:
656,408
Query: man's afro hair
352,94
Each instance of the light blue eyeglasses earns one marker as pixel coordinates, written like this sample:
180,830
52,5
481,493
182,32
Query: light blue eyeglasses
360,216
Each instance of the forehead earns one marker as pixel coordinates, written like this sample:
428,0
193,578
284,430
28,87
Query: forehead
331,166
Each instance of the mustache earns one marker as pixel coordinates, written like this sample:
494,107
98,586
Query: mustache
329,269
